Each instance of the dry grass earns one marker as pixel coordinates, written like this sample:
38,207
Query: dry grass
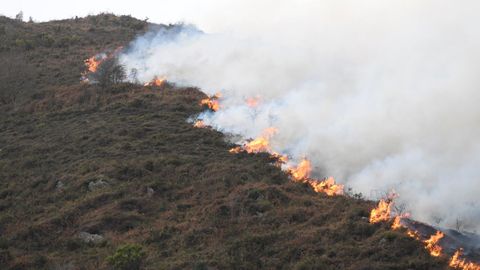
209,209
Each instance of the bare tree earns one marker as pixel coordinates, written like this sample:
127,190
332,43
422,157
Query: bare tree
19,16
459,225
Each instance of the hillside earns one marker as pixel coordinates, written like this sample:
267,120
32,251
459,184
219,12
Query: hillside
86,170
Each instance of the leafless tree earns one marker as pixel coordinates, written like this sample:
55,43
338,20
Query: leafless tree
19,16
458,225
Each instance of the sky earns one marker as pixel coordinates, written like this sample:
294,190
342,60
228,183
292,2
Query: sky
209,15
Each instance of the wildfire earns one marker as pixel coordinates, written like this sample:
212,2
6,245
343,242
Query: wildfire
458,263
382,212
413,234
156,81
327,186
302,171
397,223
199,124
252,102
212,102
93,62
258,145
261,144
281,158
432,246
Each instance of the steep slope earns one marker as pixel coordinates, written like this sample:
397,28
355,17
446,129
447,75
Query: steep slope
85,170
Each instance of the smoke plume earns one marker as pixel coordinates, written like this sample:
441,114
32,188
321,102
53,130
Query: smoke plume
379,94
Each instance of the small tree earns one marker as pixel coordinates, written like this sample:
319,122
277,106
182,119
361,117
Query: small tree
109,72
134,75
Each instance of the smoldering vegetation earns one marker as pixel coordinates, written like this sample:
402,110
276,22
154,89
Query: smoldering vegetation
379,95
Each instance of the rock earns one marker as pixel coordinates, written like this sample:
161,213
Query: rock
383,242
91,238
97,184
150,192
60,185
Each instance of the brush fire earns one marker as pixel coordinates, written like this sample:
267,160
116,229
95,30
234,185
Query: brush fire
252,102
93,63
384,213
157,81
458,263
299,173
385,210
199,124
212,102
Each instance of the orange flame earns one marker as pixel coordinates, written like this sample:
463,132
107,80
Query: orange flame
302,171
382,212
156,81
281,158
212,102
261,144
252,102
413,234
258,145
199,124
95,61
432,246
397,223
458,263
92,63
327,186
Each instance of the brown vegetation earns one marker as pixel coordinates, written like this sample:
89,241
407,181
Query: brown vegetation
123,163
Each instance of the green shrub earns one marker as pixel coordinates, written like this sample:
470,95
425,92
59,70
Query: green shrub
127,257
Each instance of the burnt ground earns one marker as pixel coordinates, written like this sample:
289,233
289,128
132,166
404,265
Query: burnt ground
124,164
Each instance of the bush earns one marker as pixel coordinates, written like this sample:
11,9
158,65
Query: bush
109,73
127,257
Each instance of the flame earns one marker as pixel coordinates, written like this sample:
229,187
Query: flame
156,81
93,62
397,223
382,212
413,234
252,102
260,144
327,186
212,102
457,263
199,124
432,246
281,158
302,171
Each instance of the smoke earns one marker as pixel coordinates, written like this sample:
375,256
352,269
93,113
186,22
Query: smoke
379,94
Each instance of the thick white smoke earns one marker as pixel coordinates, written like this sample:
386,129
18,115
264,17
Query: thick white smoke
379,94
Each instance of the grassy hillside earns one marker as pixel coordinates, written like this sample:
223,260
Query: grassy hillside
84,171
